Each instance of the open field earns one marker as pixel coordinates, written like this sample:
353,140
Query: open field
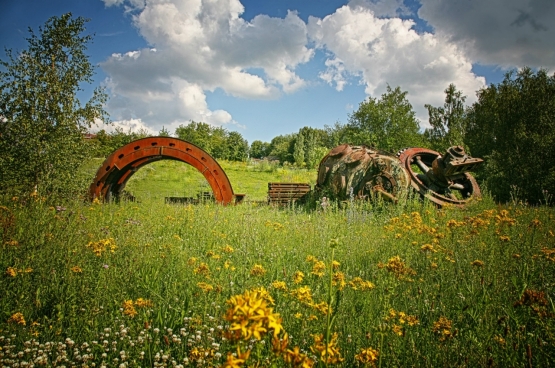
148,284
176,179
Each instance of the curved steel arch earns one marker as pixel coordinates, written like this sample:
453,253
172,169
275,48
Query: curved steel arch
112,176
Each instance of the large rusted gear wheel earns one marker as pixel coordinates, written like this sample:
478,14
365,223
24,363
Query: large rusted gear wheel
112,176
459,195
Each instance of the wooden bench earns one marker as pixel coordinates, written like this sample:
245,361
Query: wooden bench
286,193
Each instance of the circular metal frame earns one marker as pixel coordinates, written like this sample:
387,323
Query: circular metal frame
116,170
471,188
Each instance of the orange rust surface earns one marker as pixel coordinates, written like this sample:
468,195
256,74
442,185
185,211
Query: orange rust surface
112,176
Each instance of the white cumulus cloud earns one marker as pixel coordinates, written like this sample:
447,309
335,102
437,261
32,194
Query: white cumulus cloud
198,46
382,51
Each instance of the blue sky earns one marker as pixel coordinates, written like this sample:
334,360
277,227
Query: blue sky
265,68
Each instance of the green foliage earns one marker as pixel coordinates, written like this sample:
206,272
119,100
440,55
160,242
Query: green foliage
164,132
237,147
42,121
512,127
217,141
388,123
105,143
282,147
299,151
447,122
259,149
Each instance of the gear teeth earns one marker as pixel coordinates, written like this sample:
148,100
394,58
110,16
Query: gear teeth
398,154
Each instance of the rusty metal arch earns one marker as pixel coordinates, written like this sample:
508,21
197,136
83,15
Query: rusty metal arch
112,176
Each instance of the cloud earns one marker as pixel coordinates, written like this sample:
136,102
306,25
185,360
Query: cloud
131,125
382,51
509,33
383,8
198,46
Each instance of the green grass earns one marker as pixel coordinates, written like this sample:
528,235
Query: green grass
478,281
176,179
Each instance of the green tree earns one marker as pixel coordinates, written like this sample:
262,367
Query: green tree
299,151
42,121
512,126
164,132
447,122
219,147
238,147
259,149
282,147
388,123
197,133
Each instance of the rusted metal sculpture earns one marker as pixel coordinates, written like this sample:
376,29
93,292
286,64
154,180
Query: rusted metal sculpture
116,170
441,179
360,172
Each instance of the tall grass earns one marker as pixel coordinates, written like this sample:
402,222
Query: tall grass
148,284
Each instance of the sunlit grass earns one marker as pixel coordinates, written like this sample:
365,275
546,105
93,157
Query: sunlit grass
151,284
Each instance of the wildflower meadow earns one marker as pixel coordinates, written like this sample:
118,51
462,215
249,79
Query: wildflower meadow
359,285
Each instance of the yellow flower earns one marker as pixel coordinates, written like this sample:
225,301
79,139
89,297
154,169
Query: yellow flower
335,265
328,353
202,269
310,258
76,269
322,307
129,309
228,249
298,315
548,253
280,285
312,317
399,268
11,271
427,247
191,261
339,280
303,294
298,277
358,283
297,359
455,223
398,330
17,318
477,263
319,269
504,238
442,327
258,270
251,316
102,246
367,356
236,361
500,340
205,287
143,303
